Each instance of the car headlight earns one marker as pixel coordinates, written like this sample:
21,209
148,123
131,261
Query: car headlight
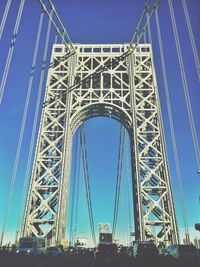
28,251
17,251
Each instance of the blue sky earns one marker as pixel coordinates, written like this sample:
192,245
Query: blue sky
102,21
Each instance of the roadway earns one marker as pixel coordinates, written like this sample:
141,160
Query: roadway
10,260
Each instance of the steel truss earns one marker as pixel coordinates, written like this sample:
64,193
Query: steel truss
125,90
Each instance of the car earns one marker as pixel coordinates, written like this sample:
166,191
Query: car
53,251
122,250
31,246
144,249
182,251
81,251
106,253
71,251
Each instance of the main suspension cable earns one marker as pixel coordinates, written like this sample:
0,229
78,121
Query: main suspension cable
11,49
87,182
171,123
119,176
140,21
62,26
149,30
185,85
194,48
5,14
155,6
57,29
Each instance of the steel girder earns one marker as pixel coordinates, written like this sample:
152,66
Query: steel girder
94,82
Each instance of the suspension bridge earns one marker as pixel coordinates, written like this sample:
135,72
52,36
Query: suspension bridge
56,85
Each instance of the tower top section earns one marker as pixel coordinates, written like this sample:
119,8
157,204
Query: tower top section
101,48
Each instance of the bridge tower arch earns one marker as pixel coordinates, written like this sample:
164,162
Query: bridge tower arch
94,82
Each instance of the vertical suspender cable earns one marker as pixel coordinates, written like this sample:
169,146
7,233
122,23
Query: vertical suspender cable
119,175
123,211
11,49
87,183
169,109
30,84
185,85
30,153
77,192
194,48
73,191
127,193
5,14
128,185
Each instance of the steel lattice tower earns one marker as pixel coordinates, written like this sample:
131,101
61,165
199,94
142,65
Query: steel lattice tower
79,88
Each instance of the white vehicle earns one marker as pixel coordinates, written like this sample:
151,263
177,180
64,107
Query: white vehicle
81,243
31,246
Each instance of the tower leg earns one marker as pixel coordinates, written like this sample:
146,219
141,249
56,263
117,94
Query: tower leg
154,210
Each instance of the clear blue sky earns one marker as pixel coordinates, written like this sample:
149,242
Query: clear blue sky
100,21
